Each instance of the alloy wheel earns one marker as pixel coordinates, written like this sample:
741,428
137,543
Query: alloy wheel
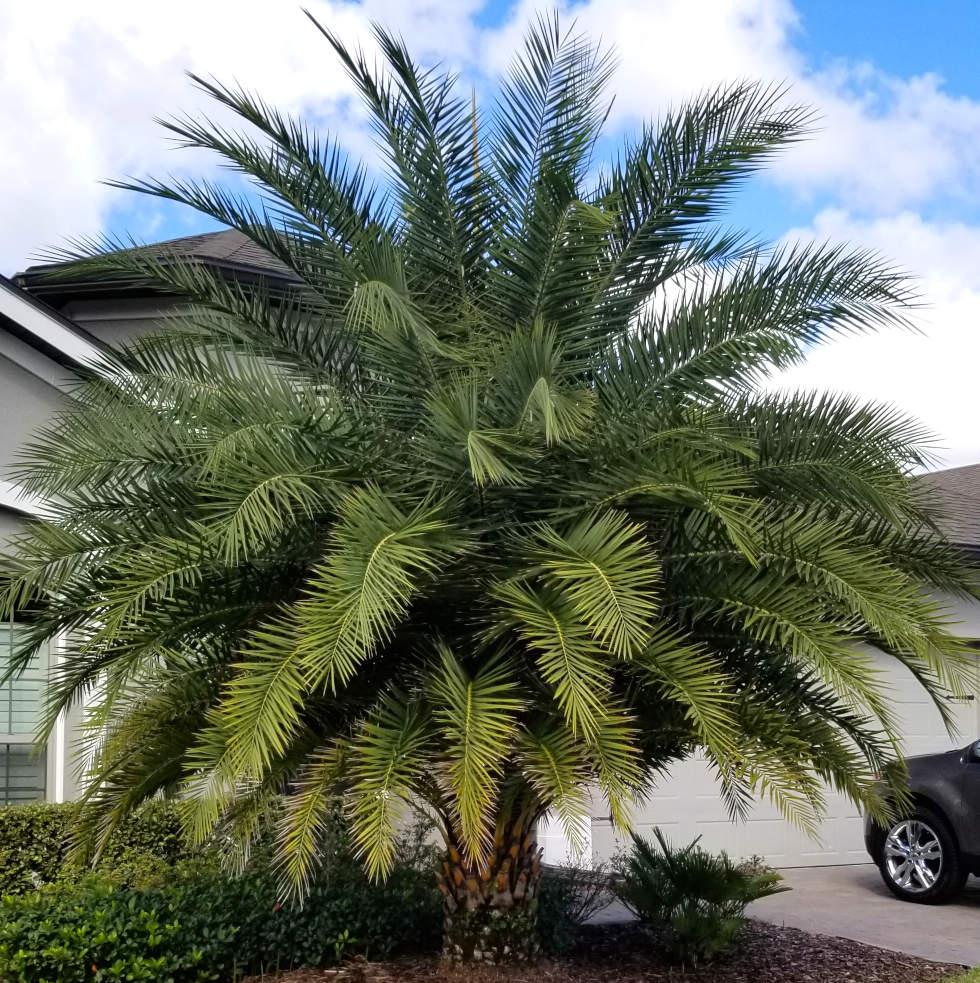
913,856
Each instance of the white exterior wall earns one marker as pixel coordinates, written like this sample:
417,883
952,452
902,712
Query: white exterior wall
119,321
31,392
26,401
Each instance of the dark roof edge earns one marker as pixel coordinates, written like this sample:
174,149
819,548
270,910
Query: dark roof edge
227,251
971,553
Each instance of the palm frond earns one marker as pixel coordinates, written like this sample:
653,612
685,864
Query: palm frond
385,761
608,571
305,816
380,559
570,660
554,764
477,719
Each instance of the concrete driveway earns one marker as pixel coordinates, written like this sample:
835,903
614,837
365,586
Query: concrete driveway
853,903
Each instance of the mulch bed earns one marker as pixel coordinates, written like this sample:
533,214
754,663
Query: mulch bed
625,954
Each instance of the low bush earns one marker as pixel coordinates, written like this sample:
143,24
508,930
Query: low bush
200,923
567,897
35,839
95,930
33,845
697,897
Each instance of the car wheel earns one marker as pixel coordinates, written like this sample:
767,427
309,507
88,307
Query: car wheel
920,860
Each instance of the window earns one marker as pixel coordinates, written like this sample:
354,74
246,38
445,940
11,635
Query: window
23,765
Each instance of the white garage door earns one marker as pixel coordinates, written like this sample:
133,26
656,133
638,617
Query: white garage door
688,804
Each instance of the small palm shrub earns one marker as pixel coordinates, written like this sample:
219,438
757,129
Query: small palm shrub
698,897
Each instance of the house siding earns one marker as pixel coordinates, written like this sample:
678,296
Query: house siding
119,321
31,393
26,401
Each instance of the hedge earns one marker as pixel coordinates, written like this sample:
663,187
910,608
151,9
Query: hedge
152,912
34,843
187,920
207,925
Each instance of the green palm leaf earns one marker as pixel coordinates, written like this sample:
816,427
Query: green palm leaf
477,718
385,762
305,816
607,570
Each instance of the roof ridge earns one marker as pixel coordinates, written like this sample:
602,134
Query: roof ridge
958,467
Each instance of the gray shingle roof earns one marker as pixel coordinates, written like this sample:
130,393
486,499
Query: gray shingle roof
957,496
229,248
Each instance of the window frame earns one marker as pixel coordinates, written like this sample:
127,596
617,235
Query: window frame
11,739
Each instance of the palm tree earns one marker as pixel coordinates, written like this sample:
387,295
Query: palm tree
489,508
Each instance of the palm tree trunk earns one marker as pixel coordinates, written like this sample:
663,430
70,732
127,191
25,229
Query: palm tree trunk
491,911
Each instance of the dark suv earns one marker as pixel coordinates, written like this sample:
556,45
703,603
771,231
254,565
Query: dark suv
927,856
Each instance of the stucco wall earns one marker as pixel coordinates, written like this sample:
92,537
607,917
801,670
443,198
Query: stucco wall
26,401
119,321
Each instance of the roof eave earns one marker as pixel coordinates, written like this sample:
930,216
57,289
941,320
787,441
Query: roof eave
36,324
15,499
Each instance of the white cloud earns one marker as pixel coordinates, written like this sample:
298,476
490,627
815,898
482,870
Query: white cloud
931,374
671,49
80,85
885,143
881,142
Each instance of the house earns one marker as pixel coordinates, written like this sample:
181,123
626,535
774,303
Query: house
40,351
49,326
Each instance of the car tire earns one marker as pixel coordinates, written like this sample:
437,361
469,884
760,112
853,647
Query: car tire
920,859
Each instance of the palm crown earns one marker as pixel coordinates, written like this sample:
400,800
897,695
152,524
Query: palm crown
487,509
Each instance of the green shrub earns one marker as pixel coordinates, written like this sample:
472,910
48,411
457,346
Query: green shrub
34,842
567,898
95,930
200,923
699,898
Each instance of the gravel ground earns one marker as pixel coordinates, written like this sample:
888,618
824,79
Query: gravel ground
625,954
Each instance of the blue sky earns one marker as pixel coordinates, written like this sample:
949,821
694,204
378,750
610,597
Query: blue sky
905,37
899,37
895,166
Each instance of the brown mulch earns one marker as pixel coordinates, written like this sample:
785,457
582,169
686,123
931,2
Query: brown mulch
625,954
